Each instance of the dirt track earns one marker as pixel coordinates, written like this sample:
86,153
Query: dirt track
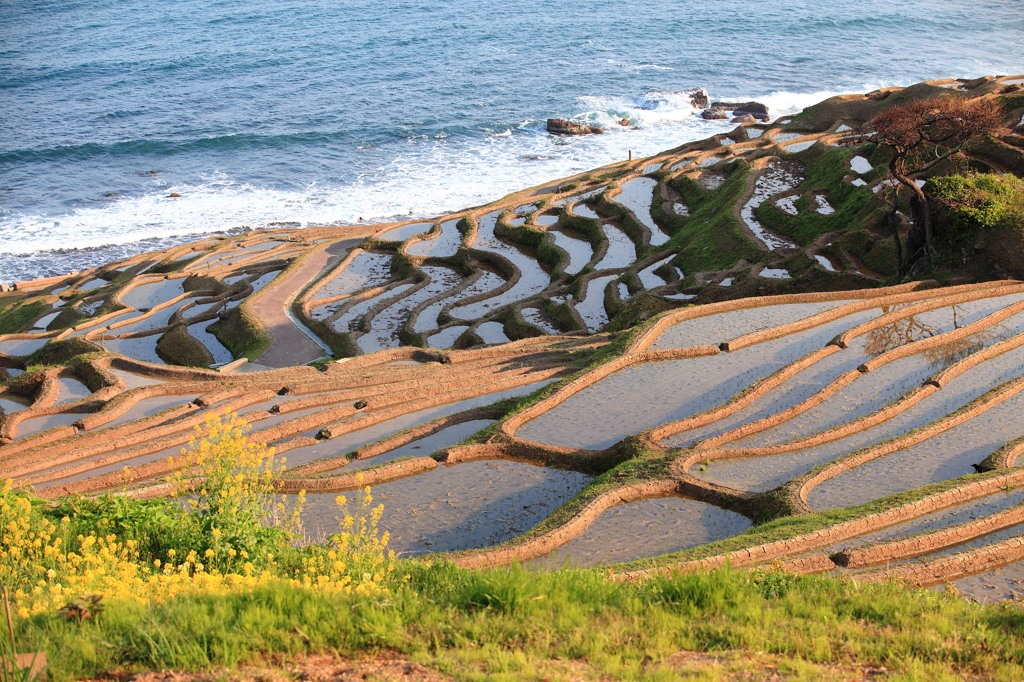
291,345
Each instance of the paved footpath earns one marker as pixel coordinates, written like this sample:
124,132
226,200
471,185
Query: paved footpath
290,345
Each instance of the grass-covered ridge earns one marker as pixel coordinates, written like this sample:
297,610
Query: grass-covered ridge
515,625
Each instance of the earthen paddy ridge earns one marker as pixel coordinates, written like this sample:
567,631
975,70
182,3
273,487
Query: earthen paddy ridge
667,364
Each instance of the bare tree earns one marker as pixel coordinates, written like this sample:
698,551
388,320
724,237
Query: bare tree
921,135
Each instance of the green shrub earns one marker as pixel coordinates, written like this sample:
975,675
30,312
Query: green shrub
978,202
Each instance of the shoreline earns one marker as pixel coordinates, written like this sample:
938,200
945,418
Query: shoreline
655,137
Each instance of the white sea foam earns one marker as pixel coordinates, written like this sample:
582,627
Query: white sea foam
427,178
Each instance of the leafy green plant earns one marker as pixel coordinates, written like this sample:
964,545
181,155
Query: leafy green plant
15,666
225,485
980,201
86,606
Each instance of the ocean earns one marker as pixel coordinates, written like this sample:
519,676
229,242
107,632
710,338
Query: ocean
319,112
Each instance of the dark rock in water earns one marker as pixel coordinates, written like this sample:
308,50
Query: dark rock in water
173,195
743,118
755,109
654,99
624,122
714,114
560,126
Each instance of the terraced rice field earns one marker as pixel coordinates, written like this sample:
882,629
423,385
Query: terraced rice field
899,404
887,421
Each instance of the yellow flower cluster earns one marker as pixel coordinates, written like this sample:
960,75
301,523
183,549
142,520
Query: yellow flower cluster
358,557
235,476
46,567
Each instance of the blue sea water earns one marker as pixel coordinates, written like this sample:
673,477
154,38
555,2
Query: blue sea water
317,112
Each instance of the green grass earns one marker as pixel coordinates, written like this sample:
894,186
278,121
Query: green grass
825,168
56,353
513,625
241,334
15,318
711,238
178,347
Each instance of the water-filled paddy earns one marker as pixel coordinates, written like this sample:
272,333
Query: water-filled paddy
37,424
442,245
961,513
764,473
654,393
426,446
133,380
447,336
356,439
220,354
21,346
637,195
647,276
263,280
644,529
585,211
794,390
492,332
778,177
160,318
532,277
485,280
12,403
43,322
993,586
400,234
385,325
715,329
535,317
71,391
348,320
621,251
591,308
944,456
580,252
366,269
222,257
151,406
150,295
471,505
140,348
889,382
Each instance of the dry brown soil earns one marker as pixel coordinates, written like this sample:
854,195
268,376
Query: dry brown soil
728,666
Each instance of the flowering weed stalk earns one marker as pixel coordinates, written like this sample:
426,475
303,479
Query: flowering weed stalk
225,531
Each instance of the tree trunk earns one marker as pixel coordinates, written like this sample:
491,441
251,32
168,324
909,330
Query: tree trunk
921,212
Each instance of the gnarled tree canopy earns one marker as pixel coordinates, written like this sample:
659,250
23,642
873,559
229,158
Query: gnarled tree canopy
922,134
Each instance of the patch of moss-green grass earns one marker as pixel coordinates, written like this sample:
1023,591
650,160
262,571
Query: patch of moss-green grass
638,309
712,238
18,316
241,334
62,352
513,624
825,168
68,317
178,347
877,254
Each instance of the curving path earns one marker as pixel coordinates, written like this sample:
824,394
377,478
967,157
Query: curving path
291,345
